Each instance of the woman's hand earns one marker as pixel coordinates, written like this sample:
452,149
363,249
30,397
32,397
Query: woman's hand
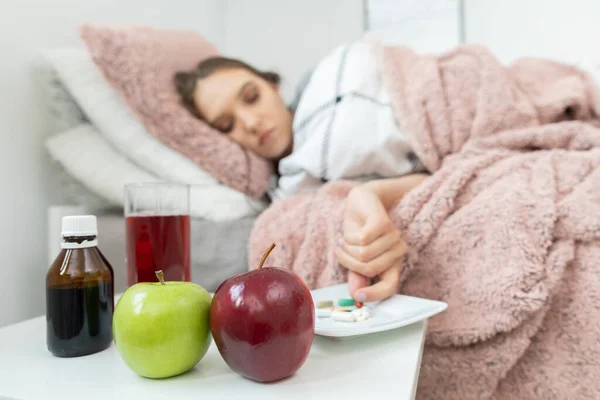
372,246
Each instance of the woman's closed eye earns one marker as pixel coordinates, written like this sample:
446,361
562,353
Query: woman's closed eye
251,95
225,126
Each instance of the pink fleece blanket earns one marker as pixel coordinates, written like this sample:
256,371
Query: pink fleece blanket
506,230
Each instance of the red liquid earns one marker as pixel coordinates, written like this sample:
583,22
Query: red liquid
158,242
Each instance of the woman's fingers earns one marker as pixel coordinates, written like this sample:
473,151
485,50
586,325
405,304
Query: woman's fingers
384,288
374,228
375,249
356,282
374,267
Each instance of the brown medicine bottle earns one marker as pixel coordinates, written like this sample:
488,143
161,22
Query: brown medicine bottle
79,292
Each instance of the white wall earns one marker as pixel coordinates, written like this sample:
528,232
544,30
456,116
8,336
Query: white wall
566,30
427,26
28,27
289,37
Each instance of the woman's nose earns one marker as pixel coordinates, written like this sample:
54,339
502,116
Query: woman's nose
250,121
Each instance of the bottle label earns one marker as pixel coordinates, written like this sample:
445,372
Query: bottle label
84,244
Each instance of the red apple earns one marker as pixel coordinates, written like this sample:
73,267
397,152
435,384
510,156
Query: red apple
263,322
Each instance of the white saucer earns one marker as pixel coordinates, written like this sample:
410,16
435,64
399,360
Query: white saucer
394,312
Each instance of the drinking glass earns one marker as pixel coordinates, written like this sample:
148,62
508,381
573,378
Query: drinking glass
157,229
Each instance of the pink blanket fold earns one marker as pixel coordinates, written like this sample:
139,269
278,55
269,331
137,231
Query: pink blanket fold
506,229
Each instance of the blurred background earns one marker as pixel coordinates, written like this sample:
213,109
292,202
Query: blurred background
286,36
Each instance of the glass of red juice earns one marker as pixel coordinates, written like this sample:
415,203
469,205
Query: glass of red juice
157,231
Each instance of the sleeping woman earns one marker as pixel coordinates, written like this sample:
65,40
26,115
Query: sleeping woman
246,105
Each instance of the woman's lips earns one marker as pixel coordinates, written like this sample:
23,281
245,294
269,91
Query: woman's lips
266,136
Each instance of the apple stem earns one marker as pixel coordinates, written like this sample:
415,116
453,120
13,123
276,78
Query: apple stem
264,257
160,276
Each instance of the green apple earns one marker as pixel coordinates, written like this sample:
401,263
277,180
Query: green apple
162,329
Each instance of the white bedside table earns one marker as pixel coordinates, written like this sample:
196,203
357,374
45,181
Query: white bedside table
385,365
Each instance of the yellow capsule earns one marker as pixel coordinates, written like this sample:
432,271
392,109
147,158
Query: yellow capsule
343,309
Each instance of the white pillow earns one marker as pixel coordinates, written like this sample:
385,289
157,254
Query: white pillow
114,120
62,113
86,155
344,126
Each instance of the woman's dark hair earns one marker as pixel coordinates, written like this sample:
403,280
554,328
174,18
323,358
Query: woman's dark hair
185,82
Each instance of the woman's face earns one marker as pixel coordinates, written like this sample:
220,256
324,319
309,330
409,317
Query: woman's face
248,109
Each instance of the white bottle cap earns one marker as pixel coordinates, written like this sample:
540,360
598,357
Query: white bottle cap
79,225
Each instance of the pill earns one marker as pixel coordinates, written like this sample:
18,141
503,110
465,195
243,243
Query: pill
360,318
358,304
343,316
323,312
325,304
361,314
346,302
344,309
